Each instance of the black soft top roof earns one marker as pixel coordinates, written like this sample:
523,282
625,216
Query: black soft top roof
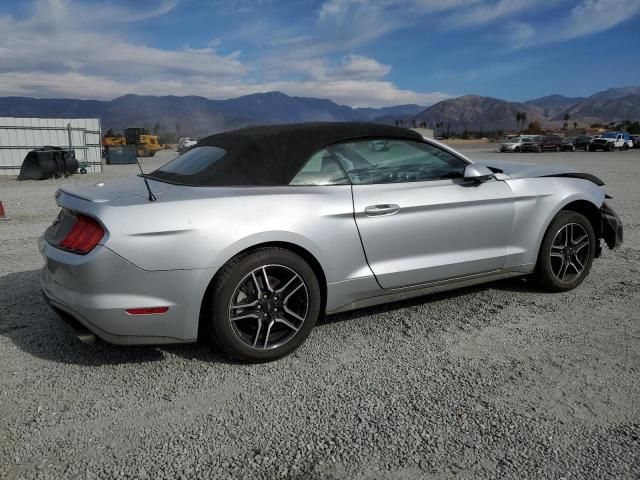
274,154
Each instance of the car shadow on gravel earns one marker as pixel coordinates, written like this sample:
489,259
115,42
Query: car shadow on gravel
28,322
34,328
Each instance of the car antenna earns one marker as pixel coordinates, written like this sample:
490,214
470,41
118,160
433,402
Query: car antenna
152,197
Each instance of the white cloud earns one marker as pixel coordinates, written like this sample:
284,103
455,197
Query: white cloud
365,93
586,18
45,55
359,66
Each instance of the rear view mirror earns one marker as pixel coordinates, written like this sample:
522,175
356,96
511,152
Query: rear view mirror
477,173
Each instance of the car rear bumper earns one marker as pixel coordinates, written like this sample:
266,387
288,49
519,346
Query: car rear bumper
93,292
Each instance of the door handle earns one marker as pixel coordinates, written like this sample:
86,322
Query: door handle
379,210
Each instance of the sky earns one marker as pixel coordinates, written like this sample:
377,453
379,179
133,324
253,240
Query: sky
355,52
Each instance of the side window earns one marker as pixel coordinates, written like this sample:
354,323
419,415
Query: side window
321,169
393,161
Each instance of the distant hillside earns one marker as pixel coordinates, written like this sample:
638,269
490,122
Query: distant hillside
553,105
616,92
475,113
199,116
597,110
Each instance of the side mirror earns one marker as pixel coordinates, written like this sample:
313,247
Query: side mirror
477,173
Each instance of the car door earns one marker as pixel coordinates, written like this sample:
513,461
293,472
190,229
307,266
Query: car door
419,221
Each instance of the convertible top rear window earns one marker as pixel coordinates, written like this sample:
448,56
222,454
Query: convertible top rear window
193,161
264,156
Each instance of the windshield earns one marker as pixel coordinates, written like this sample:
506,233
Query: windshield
610,135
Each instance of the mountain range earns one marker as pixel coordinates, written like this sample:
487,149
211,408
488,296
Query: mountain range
199,116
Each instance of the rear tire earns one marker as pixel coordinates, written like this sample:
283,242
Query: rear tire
259,321
566,253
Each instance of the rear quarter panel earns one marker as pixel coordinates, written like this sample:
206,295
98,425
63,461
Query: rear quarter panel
190,227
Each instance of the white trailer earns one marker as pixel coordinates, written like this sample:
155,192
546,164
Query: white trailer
20,135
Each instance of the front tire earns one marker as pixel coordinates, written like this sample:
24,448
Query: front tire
264,304
566,253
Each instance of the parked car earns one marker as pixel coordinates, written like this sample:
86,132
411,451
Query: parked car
251,236
582,142
513,144
567,145
636,141
185,144
543,144
611,141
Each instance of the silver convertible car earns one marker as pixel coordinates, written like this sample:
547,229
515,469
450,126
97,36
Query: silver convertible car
252,235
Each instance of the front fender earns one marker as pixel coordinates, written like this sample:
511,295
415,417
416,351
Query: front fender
538,201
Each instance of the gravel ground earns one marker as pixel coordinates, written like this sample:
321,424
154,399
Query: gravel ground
499,381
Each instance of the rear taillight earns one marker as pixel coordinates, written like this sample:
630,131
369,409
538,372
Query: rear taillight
83,236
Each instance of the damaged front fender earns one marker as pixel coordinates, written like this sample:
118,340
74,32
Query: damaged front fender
610,227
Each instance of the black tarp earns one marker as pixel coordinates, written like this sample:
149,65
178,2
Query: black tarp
274,154
48,162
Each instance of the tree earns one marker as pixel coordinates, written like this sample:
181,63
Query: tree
524,119
534,128
110,133
414,123
575,125
566,121
178,127
156,128
518,118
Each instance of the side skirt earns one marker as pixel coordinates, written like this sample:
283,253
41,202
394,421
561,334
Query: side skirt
387,296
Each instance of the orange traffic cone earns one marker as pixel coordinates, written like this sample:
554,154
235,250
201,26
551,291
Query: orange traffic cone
3,215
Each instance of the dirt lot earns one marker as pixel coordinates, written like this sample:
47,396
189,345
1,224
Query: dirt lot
500,381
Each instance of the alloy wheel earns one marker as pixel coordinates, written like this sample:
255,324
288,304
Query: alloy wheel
570,252
269,307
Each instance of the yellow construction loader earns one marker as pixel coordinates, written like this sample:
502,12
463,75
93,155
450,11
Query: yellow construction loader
146,145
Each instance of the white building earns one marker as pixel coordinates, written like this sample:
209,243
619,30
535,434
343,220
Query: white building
20,135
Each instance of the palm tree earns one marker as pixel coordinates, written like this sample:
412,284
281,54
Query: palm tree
566,121
518,118
575,125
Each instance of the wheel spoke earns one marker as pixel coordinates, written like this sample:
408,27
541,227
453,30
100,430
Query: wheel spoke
563,271
287,323
255,281
245,316
266,338
575,260
243,305
560,268
557,254
255,342
266,279
293,314
286,299
581,244
284,287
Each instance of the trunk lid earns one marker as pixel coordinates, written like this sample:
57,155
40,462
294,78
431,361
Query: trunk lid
109,191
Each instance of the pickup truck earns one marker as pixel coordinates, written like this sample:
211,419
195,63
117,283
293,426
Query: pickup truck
611,141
